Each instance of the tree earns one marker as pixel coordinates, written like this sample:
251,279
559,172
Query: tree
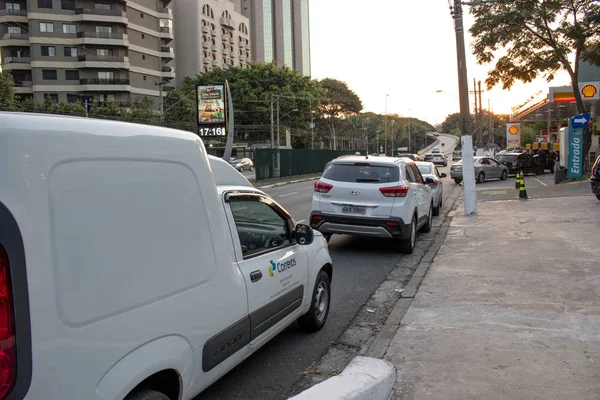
7,92
339,102
539,37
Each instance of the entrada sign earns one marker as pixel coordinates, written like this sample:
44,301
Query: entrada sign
575,157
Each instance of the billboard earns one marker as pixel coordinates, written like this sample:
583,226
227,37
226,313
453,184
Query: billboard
513,135
212,110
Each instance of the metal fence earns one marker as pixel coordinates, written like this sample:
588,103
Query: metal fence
283,163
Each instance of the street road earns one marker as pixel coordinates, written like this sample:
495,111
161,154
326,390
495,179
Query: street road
360,266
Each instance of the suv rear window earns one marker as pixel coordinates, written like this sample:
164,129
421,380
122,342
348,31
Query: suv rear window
508,158
362,172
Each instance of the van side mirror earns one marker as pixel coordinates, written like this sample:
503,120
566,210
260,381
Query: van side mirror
429,181
443,175
304,234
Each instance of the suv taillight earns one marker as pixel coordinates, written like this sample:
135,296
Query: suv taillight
321,187
394,191
8,363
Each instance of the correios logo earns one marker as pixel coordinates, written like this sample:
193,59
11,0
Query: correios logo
281,267
513,130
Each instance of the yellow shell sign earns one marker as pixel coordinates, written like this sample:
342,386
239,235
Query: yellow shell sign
589,91
513,130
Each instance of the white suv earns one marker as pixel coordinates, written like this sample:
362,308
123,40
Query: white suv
373,196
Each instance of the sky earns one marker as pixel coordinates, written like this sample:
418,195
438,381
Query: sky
406,49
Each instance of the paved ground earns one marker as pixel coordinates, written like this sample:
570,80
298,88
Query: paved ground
509,309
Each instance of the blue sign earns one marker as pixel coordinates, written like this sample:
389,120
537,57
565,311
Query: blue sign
581,120
575,156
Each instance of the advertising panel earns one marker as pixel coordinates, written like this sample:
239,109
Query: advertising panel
575,143
513,135
212,110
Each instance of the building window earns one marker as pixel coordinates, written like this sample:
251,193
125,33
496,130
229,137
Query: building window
106,75
69,28
49,75
51,96
45,3
103,29
106,97
67,4
226,14
72,75
13,6
104,52
207,11
145,78
70,51
143,36
143,56
72,98
142,15
47,27
48,51
102,6
14,29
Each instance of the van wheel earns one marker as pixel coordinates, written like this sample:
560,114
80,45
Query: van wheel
147,395
315,318
407,246
427,227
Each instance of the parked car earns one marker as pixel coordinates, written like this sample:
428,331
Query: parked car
428,157
134,266
436,134
485,168
595,179
414,157
429,170
242,164
381,197
435,150
440,159
521,161
456,155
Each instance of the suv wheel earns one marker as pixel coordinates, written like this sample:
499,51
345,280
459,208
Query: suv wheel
408,245
427,227
598,196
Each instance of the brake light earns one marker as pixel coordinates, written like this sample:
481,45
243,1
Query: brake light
8,362
321,187
362,164
394,191
392,223
514,164
452,168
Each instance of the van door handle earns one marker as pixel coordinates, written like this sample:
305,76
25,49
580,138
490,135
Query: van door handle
255,276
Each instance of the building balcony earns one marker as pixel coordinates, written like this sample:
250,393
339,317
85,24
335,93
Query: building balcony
233,55
108,85
9,63
225,52
227,22
242,45
214,47
166,13
113,16
215,63
96,61
167,52
104,38
13,15
225,37
242,57
206,60
165,32
247,47
23,87
206,45
213,33
205,29
15,39
95,57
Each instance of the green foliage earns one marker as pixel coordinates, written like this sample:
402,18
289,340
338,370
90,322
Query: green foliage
528,135
7,92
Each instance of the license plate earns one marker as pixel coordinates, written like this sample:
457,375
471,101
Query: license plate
354,210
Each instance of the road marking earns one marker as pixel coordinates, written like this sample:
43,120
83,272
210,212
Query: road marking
301,221
545,184
288,194
493,192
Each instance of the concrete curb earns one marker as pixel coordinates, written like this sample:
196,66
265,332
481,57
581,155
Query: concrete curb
274,185
364,378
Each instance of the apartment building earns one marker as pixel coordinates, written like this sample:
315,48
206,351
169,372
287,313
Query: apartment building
106,49
210,34
280,31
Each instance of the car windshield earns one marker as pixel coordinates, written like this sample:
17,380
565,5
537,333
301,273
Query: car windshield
508,158
235,161
425,169
362,172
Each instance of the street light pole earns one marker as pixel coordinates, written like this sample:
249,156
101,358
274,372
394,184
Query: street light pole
470,195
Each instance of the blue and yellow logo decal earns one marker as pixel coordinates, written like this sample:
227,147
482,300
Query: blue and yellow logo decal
272,269
281,267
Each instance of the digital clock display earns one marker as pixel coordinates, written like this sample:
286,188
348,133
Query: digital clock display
212,131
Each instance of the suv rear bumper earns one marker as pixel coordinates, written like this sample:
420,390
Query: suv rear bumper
360,226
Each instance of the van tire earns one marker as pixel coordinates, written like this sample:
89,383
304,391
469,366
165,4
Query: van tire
320,303
147,394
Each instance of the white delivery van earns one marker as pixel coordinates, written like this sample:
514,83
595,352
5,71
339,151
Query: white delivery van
134,266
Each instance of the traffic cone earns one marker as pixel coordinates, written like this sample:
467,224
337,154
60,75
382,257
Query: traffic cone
517,181
522,191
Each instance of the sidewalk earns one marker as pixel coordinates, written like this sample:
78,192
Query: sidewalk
510,307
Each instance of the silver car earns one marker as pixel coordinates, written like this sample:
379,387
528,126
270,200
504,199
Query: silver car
485,168
429,170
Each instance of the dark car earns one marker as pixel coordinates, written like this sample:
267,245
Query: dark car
521,162
428,157
595,179
414,157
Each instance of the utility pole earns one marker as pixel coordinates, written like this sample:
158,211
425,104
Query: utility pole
278,132
476,109
480,115
409,135
272,125
312,127
392,138
385,127
161,100
470,195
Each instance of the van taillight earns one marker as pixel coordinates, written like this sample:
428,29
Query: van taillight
8,363
321,187
394,191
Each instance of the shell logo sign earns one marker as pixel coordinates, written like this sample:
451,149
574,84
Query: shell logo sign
513,135
589,91
513,130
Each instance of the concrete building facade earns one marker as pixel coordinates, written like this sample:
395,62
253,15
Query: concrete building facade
280,31
108,50
210,34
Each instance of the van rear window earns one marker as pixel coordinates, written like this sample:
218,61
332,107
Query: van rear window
362,173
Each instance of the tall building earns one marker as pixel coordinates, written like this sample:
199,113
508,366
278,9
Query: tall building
280,32
108,50
210,34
